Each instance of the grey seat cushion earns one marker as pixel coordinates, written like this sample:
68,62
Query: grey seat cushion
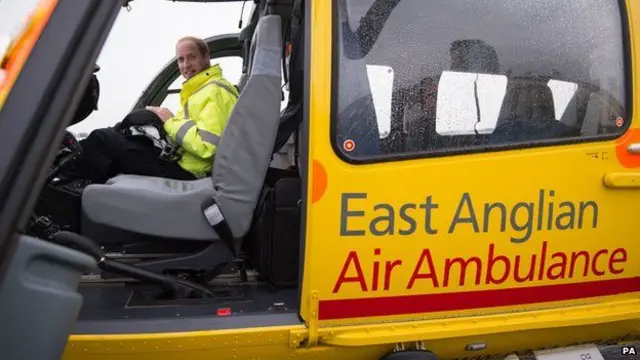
152,206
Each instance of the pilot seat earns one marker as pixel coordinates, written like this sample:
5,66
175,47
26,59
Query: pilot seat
132,210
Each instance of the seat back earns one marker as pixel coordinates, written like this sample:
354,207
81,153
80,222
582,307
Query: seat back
527,101
527,114
596,115
244,150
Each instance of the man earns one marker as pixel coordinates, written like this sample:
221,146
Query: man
206,100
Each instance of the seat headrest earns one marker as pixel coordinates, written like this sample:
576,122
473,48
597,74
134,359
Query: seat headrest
267,56
471,55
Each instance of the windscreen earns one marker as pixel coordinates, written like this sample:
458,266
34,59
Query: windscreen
475,74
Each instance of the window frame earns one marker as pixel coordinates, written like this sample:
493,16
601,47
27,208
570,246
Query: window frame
533,144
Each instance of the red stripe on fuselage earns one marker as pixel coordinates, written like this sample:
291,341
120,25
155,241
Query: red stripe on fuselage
427,303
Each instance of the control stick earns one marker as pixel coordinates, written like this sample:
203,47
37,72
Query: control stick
71,143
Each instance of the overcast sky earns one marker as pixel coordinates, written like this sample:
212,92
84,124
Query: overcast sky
141,42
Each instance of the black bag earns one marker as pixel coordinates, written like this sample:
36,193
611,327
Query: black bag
140,118
273,244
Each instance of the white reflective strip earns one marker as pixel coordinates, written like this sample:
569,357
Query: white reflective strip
182,131
267,61
226,87
206,136
213,215
209,137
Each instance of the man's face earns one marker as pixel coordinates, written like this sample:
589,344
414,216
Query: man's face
190,60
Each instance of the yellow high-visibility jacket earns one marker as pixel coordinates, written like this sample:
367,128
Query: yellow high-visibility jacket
207,100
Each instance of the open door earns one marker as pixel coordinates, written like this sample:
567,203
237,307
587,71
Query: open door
50,61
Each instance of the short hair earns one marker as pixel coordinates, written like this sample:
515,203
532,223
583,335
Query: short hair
201,45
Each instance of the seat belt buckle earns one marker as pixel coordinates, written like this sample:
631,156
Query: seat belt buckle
213,215
218,223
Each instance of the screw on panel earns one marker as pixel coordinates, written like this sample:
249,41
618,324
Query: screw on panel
476,346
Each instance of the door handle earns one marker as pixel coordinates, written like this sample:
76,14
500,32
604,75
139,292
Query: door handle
633,148
622,180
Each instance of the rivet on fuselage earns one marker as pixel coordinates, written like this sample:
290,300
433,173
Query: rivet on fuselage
476,346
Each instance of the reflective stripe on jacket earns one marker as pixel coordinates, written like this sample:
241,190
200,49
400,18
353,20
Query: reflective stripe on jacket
207,100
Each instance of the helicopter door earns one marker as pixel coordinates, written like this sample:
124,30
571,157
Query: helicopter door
38,279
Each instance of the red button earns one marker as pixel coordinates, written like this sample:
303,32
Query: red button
349,145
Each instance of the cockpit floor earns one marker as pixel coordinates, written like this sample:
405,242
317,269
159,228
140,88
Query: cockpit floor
110,308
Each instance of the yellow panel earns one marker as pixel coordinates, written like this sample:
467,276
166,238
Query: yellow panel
319,111
277,343
388,277
258,343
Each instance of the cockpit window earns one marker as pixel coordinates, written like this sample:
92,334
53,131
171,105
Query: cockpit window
477,74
